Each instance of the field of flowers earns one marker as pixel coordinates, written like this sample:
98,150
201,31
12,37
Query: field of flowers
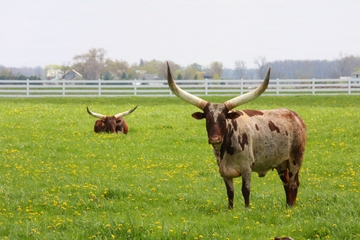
59,180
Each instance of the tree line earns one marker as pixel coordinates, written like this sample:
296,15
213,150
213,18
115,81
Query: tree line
95,65
7,74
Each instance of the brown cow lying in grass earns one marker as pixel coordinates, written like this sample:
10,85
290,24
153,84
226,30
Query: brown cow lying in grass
111,124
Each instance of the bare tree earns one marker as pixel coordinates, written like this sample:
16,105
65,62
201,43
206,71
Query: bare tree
240,67
91,64
347,64
261,62
175,68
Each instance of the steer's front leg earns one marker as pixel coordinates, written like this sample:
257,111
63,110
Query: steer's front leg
230,191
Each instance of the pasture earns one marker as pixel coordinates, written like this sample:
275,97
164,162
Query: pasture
60,180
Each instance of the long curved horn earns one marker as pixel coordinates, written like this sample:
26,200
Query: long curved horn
236,101
187,97
97,115
123,114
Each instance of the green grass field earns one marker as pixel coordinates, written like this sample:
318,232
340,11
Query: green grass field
59,180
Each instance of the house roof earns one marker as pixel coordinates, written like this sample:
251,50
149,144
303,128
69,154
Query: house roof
77,73
356,72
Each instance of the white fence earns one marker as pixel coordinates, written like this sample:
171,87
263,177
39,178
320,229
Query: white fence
113,88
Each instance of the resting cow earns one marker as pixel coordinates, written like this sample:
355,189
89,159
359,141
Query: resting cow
111,124
250,140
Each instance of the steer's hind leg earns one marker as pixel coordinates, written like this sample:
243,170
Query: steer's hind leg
230,191
294,183
245,189
289,175
283,172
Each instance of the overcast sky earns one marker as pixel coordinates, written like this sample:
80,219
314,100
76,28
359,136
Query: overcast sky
40,32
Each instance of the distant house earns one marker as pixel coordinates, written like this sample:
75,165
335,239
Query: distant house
355,74
72,74
148,76
53,73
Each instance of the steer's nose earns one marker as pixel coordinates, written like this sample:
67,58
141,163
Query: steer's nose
215,140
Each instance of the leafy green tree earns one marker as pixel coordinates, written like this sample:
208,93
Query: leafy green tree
108,76
6,74
117,68
142,63
123,75
196,66
217,69
190,72
179,76
151,67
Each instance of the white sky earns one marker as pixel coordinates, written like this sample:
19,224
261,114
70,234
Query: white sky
40,32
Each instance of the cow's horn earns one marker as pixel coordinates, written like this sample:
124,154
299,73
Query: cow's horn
187,97
97,115
234,102
123,114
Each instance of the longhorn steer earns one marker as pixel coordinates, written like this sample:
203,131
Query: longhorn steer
250,140
112,124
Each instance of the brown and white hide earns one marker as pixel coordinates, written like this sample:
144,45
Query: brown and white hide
251,140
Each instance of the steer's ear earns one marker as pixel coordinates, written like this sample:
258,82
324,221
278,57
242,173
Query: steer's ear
233,115
198,115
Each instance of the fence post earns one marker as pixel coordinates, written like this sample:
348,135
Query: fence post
349,86
27,87
63,86
313,86
206,86
241,86
277,86
134,87
99,87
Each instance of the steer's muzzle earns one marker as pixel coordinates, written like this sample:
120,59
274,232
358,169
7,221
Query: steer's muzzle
215,140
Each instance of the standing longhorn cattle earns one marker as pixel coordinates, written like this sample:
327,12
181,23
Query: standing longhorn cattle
250,140
112,124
